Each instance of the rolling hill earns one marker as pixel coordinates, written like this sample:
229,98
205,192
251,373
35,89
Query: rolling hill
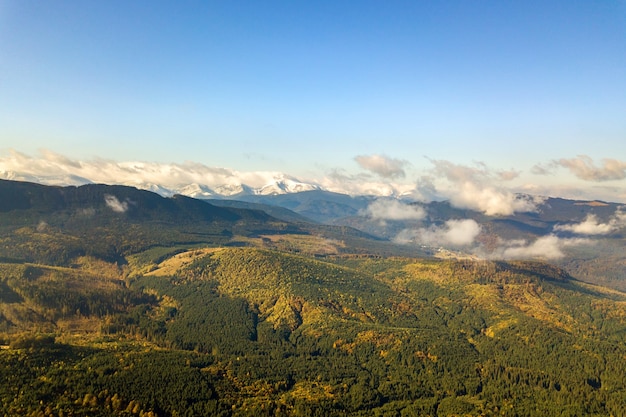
601,260
273,318
52,225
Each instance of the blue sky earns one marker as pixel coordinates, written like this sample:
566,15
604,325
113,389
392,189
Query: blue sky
305,87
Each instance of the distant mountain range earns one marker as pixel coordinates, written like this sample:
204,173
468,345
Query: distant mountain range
113,221
584,237
316,205
273,184
355,211
587,238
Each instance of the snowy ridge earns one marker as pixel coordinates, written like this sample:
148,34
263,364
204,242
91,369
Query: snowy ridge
286,185
189,178
244,184
260,183
279,186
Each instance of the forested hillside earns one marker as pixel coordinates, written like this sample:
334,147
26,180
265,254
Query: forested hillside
600,260
286,323
258,332
54,225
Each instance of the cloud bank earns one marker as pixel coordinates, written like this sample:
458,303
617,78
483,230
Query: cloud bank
475,188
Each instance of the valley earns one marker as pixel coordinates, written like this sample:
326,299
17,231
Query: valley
176,307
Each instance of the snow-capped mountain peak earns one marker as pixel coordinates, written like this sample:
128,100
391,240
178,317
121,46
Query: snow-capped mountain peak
286,185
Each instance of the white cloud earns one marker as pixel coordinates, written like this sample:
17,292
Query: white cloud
452,233
114,204
425,190
584,168
383,209
619,218
591,226
59,159
545,247
361,184
490,200
382,165
477,188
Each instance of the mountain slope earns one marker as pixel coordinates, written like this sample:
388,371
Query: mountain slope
274,211
319,205
105,291
55,224
596,254
263,330
134,203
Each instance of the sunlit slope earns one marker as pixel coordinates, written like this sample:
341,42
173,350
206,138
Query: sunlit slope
376,287
340,335
599,260
481,333
52,299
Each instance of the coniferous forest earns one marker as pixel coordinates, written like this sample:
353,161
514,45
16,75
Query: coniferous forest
185,309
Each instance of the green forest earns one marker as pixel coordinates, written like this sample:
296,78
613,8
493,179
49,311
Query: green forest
177,313
251,331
